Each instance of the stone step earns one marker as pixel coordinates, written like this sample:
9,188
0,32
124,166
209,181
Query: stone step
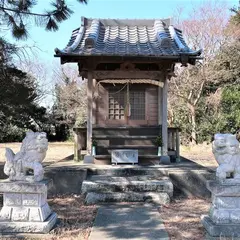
129,171
127,186
98,178
156,197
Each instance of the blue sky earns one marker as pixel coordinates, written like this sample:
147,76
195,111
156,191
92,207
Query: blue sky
48,41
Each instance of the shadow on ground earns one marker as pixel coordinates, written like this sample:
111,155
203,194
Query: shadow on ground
124,221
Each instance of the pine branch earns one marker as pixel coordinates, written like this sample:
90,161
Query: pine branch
15,11
24,12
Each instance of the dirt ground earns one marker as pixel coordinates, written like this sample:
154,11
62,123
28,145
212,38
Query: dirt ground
181,216
76,219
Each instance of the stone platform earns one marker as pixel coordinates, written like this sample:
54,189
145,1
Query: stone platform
224,214
25,207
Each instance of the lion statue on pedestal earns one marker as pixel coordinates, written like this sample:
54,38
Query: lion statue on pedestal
26,164
227,153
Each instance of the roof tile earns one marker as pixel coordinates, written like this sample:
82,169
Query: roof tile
127,37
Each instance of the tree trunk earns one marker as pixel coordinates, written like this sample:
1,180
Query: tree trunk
193,123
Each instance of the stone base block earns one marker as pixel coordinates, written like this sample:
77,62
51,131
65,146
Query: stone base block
165,160
88,159
29,227
24,202
225,216
223,230
23,213
124,156
25,208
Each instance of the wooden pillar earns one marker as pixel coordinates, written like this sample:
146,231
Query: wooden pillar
77,145
178,159
164,118
160,106
94,104
89,112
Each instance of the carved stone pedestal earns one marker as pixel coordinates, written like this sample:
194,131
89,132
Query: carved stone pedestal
25,207
224,214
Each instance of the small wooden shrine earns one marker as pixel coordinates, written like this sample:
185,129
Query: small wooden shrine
127,64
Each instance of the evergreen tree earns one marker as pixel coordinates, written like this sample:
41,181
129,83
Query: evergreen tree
19,109
17,13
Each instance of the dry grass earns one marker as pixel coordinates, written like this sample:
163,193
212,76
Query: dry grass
201,154
56,151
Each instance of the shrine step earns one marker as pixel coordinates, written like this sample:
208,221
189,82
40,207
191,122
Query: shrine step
123,185
127,184
98,178
157,197
127,171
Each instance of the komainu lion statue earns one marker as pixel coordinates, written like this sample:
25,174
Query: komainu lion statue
227,153
19,166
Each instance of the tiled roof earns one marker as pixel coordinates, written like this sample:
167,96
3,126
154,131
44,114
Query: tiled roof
115,37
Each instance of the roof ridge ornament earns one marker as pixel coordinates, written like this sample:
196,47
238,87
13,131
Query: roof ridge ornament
76,42
177,40
92,37
161,34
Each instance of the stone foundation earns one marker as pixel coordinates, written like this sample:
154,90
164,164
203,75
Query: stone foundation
25,207
224,214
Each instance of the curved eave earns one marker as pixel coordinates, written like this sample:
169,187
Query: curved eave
184,59
192,54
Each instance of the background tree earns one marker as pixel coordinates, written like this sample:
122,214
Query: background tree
205,28
225,79
70,104
20,91
19,107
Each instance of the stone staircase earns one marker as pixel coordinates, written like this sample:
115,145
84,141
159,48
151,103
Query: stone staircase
127,184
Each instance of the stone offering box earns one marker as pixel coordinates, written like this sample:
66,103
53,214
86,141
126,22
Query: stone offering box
224,215
124,156
25,207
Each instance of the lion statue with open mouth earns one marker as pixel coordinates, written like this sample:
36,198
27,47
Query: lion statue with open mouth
26,164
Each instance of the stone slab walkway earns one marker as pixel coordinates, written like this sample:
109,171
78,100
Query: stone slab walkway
128,221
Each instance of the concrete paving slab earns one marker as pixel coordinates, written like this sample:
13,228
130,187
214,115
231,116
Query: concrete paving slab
128,221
